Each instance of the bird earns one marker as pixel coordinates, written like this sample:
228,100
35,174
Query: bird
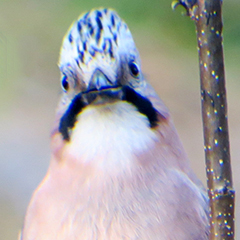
118,169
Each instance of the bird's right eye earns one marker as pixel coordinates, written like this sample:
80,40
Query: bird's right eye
65,84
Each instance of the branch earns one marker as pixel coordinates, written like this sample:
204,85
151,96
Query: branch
208,20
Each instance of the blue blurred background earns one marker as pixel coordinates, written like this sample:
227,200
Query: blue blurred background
31,32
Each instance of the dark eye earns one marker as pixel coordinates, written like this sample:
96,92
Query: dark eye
65,83
134,69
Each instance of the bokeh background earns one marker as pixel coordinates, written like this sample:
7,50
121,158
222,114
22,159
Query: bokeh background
31,32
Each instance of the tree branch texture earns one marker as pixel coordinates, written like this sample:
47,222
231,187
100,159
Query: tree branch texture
207,15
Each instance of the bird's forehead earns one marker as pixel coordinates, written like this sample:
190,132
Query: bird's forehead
98,39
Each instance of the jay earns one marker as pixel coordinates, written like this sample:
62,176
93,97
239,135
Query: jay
118,170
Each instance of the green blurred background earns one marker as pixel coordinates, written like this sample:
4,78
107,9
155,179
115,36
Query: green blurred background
30,38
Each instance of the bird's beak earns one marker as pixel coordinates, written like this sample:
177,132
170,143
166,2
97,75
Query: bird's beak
99,81
100,88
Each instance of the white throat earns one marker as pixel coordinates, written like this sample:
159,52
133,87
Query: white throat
110,135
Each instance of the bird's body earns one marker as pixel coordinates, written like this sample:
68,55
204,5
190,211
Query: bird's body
118,170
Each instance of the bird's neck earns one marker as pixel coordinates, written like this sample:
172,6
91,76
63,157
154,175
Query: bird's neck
110,136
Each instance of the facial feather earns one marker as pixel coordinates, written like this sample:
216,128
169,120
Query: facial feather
113,132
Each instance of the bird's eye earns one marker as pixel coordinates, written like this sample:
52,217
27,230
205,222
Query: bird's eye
65,83
134,69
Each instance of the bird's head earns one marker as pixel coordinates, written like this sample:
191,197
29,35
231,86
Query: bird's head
98,52
99,63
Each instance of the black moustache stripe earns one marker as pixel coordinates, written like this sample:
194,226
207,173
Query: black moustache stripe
70,116
142,104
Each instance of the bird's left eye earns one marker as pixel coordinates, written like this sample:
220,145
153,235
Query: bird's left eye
134,69
65,83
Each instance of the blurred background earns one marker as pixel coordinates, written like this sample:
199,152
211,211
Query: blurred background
31,32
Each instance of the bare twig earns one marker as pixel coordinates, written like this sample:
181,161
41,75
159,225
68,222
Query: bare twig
208,19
